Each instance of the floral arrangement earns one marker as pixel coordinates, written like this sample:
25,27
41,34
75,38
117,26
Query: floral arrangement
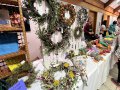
63,9
61,77
82,16
77,32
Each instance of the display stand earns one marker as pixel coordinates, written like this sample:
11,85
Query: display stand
22,40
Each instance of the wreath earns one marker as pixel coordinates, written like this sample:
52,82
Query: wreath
71,10
52,18
82,16
77,32
17,73
52,45
46,17
60,77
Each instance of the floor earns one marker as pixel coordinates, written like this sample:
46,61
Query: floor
108,85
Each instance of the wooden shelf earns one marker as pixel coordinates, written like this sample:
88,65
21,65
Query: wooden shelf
6,28
21,52
5,75
9,2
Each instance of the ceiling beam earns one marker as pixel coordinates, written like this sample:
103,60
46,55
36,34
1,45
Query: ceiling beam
117,8
108,3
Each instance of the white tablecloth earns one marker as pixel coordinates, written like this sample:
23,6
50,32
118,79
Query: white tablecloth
97,73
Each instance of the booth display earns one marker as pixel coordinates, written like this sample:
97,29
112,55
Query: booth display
72,64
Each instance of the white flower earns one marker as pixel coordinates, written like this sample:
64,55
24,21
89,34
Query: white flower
59,75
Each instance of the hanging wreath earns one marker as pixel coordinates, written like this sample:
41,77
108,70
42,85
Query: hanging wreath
77,32
36,16
54,40
25,68
47,35
60,77
82,16
71,10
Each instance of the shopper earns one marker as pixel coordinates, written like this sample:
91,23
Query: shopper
112,27
88,30
117,52
103,29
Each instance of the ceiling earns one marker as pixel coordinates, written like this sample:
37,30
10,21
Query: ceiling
114,4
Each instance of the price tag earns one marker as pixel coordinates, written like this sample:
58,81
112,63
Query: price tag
19,86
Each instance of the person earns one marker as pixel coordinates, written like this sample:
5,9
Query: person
103,29
88,30
112,27
117,52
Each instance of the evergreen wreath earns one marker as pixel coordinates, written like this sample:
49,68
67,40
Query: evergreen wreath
53,23
77,32
49,45
25,68
82,16
65,82
70,8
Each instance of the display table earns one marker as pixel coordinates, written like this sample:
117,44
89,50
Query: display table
97,73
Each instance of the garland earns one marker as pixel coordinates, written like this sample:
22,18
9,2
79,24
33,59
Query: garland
82,16
53,20
64,82
71,10
27,68
77,32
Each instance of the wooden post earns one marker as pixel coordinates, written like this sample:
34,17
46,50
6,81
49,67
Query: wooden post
24,31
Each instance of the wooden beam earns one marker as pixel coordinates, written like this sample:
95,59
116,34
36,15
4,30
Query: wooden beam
108,3
117,8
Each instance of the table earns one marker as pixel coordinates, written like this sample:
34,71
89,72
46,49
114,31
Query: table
97,73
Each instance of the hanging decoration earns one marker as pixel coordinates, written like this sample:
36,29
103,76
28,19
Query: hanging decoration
82,16
54,40
53,28
77,32
33,12
60,77
17,73
68,8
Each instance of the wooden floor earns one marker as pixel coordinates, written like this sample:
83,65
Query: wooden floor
108,85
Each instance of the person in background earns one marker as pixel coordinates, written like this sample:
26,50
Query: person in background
112,27
88,30
117,52
103,29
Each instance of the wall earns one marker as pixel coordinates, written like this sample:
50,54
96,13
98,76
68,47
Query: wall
34,43
98,23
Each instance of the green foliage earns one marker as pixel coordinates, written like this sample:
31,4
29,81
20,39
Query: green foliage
25,68
52,18
48,81
77,32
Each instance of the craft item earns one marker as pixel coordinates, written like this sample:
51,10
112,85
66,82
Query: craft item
72,14
77,32
59,77
15,20
8,43
103,43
